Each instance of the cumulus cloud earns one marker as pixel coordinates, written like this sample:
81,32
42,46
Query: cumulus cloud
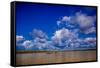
90,40
59,22
64,33
84,20
87,42
66,21
19,38
66,18
38,33
90,30
27,44
80,20
63,36
66,37
40,43
40,39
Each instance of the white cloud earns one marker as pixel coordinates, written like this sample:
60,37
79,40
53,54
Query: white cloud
63,36
79,20
84,20
77,44
40,39
66,18
51,46
91,42
40,45
66,21
19,38
68,38
27,44
90,30
90,39
60,33
58,22
64,33
38,33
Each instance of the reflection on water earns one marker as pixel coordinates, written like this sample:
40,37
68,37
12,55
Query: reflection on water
55,57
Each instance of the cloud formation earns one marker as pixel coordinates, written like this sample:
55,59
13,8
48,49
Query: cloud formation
38,33
80,20
84,20
66,37
63,36
19,38
90,41
90,30
27,44
40,39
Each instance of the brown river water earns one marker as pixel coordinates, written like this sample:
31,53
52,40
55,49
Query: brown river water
54,57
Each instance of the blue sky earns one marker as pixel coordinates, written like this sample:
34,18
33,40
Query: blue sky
50,19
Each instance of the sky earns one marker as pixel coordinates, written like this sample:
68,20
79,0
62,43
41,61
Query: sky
55,27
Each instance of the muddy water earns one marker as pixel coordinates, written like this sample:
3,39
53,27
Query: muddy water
55,57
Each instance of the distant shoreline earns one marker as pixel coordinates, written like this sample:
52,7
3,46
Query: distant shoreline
49,51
